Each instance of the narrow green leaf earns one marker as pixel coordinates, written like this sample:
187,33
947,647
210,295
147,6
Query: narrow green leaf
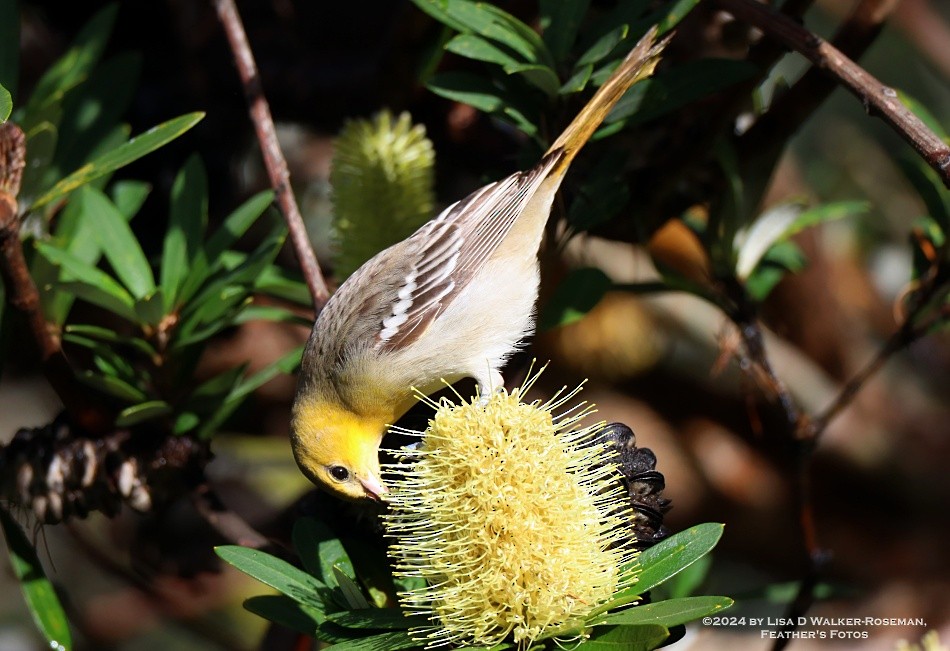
213,389
283,283
671,556
94,108
394,641
285,611
112,337
186,227
350,589
113,386
930,187
676,12
539,76
76,64
924,114
41,145
627,638
306,536
578,80
475,47
119,244
669,613
270,313
142,412
603,46
676,87
467,88
185,422
783,258
9,46
6,104
688,581
377,618
41,599
128,196
577,295
236,224
277,573
535,50
121,156
285,364
602,195
563,20
101,288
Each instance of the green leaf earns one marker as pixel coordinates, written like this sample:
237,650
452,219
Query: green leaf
563,19
475,47
676,12
603,46
186,422
676,87
270,313
237,223
350,589
378,618
112,337
930,187
113,386
539,76
669,613
536,51
6,104
688,581
142,412
671,556
120,156
277,573
602,194
924,114
119,244
187,223
306,536
41,599
9,46
467,88
577,295
286,612
285,284
627,638
93,109
578,80
76,64
394,641
128,196
41,147
90,283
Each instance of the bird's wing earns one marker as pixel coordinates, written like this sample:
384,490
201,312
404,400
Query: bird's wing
451,249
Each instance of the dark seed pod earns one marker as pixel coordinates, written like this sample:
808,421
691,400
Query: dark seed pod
644,483
59,472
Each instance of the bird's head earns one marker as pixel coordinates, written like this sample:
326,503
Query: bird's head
337,449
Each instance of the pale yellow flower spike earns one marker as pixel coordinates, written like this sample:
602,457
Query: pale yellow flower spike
515,521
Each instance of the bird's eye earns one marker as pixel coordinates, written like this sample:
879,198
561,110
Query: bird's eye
339,473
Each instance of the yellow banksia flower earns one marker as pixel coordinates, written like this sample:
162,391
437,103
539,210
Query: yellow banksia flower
383,179
513,518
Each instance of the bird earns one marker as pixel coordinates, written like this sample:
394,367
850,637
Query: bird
455,299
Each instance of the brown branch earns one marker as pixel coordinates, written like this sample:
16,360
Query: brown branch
790,110
876,97
270,149
23,295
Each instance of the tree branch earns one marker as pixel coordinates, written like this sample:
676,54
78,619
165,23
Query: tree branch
877,98
270,149
23,294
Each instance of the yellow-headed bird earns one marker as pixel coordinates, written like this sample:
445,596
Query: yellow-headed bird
453,300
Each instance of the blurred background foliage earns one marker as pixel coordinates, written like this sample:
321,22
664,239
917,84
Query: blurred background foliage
669,202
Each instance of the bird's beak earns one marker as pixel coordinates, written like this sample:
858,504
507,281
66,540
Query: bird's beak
374,487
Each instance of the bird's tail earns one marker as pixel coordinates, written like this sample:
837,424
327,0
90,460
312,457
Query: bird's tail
639,64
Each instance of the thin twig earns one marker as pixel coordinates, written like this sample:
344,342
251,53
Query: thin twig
790,109
875,96
270,149
226,522
23,295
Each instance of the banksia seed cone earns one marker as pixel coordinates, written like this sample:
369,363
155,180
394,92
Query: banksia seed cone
383,186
